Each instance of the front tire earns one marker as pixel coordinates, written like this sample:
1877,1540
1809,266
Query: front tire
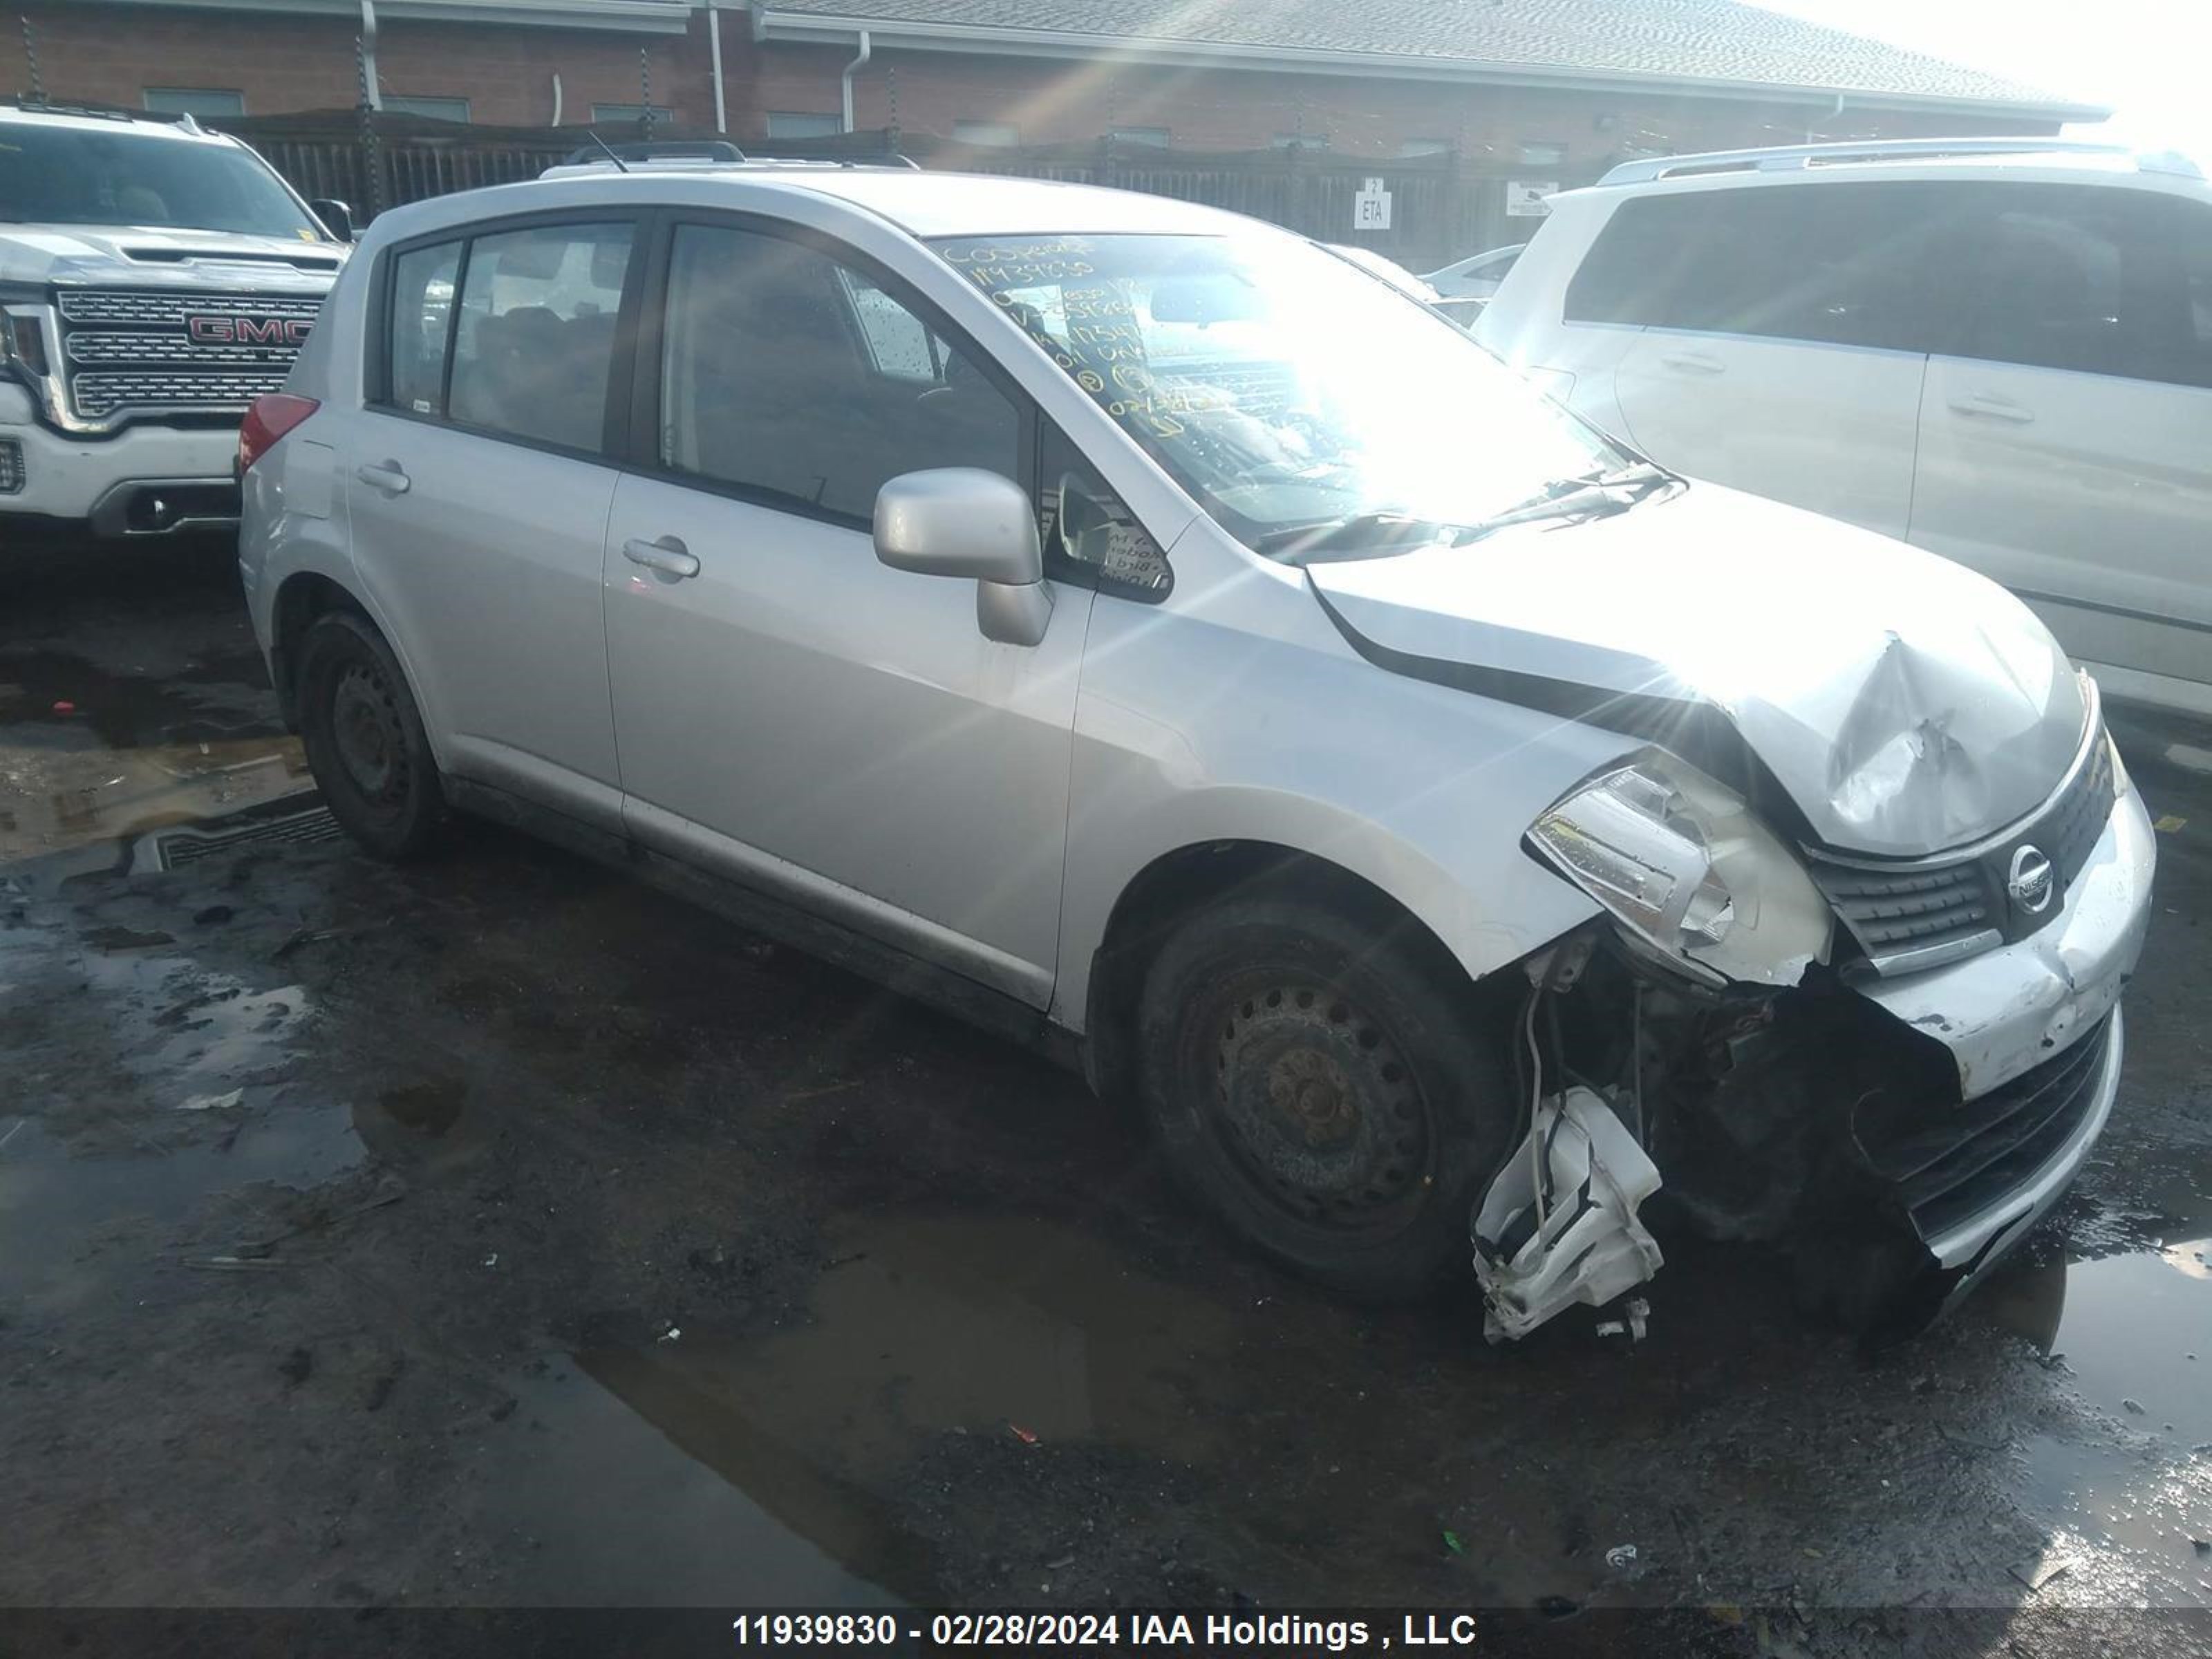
1327,1085
364,737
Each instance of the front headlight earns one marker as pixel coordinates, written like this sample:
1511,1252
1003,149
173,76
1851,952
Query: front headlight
1679,860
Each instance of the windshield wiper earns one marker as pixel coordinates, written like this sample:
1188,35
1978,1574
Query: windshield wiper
1592,495
1373,530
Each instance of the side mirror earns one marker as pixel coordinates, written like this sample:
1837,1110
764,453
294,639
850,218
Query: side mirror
963,521
336,216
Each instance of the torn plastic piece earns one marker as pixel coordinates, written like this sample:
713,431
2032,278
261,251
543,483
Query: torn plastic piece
1590,1246
1638,1312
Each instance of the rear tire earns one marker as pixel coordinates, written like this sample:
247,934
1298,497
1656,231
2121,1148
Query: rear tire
1328,1087
364,737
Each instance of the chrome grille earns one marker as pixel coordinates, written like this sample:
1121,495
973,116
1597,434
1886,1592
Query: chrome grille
1947,1166
83,348
126,351
1904,917
106,394
173,306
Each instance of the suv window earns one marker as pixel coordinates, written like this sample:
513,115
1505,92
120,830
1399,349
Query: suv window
785,371
534,340
2103,281
1837,264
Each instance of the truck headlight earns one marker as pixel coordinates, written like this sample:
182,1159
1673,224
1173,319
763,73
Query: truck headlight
1682,863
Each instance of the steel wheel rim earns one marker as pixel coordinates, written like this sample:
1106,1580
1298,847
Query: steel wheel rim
366,733
1313,1103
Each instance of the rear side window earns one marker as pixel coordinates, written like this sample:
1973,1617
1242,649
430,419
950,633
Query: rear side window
511,333
534,344
422,283
2100,280
787,372
1833,264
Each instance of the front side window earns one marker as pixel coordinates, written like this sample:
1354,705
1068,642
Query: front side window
534,338
57,175
790,374
1285,388
1835,263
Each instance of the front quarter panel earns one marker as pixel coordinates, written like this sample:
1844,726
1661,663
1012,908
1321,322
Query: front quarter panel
1234,711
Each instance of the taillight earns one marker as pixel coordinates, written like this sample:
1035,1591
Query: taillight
270,417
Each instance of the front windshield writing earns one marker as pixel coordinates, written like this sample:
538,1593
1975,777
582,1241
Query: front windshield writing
57,175
1281,384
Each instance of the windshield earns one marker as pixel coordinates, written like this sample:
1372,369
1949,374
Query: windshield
59,175
1283,386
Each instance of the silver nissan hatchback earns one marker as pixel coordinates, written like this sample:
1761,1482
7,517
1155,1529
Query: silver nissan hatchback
1146,632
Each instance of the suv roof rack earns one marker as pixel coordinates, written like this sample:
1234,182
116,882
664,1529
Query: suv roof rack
692,158
658,149
91,112
1787,156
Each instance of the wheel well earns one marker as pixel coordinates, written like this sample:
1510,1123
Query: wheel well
301,599
1176,886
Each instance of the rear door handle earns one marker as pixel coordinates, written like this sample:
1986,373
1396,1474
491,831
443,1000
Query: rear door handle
1694,363
1995,408
668,556
389,477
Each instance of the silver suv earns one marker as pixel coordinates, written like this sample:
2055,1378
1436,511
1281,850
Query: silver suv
1146,632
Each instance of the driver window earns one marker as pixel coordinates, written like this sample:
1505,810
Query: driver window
787,372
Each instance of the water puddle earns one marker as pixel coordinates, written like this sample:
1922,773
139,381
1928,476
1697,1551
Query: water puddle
2134,1332
87,754
60,1211
670,1470
920,1328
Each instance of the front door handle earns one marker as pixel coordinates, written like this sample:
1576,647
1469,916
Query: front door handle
1694,363
1997,409
668,556
388,477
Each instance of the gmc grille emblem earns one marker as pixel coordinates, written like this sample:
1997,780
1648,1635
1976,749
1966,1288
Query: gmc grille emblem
208,329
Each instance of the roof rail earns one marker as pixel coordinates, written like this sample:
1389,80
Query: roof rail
95,112
1785,156
660,149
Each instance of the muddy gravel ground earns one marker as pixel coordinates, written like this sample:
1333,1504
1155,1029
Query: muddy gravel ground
496,1232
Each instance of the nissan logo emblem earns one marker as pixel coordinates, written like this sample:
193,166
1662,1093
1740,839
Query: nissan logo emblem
2030,881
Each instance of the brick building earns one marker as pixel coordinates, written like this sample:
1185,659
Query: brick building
1464,111
1562,83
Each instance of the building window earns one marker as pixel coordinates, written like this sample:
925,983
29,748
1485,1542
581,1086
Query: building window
1158,137
612,113
1301,141
987,132
803,124
1542,154
438,109
1412,147
194,100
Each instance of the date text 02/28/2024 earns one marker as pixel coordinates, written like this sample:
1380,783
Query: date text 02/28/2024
1023,1630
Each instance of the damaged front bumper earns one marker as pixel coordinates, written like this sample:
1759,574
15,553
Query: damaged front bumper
1898,1134
2034,1030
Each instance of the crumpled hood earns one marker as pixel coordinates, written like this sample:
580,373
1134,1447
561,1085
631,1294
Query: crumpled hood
158,255
1904,703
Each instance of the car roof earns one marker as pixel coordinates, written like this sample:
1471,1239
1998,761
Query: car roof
924,205
1994,159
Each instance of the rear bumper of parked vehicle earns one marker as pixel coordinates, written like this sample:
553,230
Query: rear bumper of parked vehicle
142,481
2035,1030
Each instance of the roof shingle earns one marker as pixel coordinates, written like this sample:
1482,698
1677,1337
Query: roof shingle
1721,40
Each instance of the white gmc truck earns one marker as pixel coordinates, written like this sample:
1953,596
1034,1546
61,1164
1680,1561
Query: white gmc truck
155,279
